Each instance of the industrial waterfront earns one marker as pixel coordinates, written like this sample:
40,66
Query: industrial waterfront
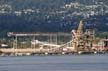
55,63
80,43
53,35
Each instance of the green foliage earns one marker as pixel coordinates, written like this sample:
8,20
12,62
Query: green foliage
102,34
44,21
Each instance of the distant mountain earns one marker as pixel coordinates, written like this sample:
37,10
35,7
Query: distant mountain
52,15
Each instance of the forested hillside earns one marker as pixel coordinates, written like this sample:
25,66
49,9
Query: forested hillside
52,15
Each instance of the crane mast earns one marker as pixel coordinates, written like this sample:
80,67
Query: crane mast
80,28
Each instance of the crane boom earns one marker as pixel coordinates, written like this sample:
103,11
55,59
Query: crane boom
80,28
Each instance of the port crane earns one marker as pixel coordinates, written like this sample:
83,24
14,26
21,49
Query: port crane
80,29
81,41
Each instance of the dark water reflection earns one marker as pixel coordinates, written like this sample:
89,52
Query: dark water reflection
55,63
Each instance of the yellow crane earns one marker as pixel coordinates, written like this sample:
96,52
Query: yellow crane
77,40
80,28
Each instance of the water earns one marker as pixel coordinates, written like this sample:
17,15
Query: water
55,63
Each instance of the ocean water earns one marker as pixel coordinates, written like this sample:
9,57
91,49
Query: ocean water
55,63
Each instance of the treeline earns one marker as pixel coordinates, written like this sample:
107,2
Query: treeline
45,20
13,23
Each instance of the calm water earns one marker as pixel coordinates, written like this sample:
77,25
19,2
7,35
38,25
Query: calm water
55,63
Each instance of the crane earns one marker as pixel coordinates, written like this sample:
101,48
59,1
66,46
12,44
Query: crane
80,28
